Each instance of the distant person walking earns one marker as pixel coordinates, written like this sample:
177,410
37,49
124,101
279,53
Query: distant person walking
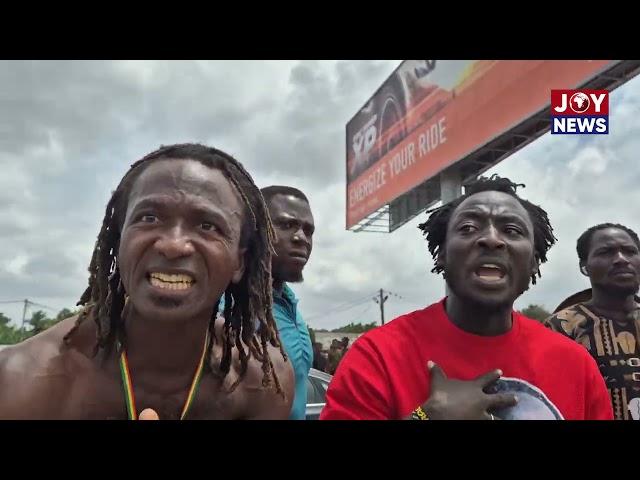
334,356
345,345
319,360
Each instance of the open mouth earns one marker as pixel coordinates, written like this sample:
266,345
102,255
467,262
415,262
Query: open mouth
490,272
171,281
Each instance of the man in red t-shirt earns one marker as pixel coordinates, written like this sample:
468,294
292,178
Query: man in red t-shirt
490,361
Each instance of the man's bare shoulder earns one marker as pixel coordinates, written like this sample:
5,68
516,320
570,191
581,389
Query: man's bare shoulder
282,368
37,370
263,402
37,350
271,404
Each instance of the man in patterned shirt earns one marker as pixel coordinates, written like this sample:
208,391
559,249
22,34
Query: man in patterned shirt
608,324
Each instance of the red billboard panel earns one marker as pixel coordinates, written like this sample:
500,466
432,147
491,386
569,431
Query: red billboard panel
429,114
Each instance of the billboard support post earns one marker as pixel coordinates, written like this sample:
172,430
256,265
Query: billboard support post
450,189
450,184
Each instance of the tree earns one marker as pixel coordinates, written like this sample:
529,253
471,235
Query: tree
39,322
355,328
537,312
312,335
9,334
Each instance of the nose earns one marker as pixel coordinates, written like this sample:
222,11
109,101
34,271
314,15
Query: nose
621,259
299,237
491,239
174,244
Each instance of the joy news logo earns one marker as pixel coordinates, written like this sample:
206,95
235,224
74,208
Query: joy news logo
579,112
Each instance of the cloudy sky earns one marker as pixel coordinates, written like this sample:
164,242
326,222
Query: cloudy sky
70,130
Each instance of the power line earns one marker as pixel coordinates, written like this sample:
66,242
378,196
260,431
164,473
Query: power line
341,308
42,306
382,297
27,303
367,307
30,303
338,310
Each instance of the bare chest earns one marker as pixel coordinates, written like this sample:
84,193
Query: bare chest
99,396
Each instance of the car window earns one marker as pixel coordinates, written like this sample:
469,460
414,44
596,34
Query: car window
312,394
322,387
319,388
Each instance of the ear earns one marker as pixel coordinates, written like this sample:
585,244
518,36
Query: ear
239,271
583,269
535,264
441,260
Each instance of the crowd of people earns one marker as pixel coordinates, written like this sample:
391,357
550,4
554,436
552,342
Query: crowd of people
328,362
189,313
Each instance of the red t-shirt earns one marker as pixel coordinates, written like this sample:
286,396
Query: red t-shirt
384,375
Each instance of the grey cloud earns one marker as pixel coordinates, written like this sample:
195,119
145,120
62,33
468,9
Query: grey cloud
41,264
52,284
358,80
308,130
44,97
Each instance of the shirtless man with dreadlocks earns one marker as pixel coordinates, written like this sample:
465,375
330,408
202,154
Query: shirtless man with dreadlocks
470,356
185,226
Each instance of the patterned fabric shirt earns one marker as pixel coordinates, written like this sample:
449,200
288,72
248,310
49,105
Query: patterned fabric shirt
614,345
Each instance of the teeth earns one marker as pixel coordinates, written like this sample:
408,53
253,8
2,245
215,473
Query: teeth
172,278
171,282
490,265
490,278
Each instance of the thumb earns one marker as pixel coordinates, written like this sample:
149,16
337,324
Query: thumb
435,371
148,414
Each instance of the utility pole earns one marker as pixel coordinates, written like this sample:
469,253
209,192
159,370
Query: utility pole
380,299
27,303
24,311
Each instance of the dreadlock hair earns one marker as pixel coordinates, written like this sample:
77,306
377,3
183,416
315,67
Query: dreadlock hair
435,228
584,242
251,298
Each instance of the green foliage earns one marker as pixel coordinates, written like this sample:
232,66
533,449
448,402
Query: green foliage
39,322
537,312
356,328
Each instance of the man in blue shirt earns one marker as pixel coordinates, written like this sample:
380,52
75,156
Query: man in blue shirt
294,227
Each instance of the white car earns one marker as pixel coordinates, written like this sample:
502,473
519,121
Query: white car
317,384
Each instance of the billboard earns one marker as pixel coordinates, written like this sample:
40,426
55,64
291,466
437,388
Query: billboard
430,114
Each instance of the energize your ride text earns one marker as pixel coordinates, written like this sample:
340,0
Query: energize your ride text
429,140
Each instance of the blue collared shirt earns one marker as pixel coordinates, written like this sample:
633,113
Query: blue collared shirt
296,340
